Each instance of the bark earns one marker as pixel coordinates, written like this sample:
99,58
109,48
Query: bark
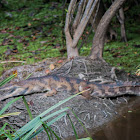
121,20
71,52
75,29
99,38
111,34
96,17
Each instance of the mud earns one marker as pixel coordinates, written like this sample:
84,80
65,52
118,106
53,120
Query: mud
93,113
125,127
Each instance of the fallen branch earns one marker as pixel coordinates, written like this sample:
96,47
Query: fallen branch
12,62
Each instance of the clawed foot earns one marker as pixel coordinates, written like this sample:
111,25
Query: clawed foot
49,93
43,96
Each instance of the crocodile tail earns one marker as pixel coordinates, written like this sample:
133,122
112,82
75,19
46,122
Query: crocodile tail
11,90
20,89
117,89
7,87
132,88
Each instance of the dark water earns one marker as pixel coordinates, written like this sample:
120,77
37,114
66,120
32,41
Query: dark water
127,127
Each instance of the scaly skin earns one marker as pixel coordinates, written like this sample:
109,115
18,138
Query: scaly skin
54,83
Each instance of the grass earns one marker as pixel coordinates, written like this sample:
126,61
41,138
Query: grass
26,29
39,123
123,55
34,29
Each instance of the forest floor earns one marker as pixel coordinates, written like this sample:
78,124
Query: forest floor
32,43
93,113
31,32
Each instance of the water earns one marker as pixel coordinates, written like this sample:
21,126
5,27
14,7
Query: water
126,127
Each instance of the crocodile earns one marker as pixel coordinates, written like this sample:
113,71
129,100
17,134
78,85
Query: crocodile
55,83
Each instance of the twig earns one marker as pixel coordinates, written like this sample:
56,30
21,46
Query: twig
82,61
113,74
111,101
87,115
65,120
109,113
85,67
69,68
13,62
105,114
107,106
125,100
94,118
102,81
93,73
85,39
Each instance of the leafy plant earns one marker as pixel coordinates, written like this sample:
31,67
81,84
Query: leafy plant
7,79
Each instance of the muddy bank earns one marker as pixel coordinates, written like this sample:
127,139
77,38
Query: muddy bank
123,128
93,113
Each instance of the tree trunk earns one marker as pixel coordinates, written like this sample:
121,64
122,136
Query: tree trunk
99,38
111,34
123,33
71,51
96,17
75,24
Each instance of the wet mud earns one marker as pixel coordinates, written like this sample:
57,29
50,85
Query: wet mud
126,127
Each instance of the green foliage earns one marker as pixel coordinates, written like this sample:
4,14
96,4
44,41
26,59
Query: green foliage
49,130
7,106
7,80
26,24
123,55
27,107
32,128
3,131
30,23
